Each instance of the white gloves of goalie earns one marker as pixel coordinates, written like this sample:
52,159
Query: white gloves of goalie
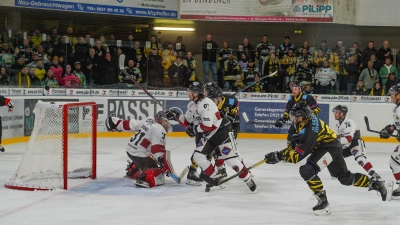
112,122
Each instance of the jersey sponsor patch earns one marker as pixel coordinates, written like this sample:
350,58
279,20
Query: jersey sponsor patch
231,101
226,151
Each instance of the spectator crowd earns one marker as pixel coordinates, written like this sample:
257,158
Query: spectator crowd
75,61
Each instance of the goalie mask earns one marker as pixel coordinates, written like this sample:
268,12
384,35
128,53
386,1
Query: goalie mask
161,118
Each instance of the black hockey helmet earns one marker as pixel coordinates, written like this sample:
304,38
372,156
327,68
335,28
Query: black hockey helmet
341,108
161,118
297,84
395,88
212,90
300,110
196,88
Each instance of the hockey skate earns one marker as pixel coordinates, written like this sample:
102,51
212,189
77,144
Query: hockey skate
222,172
396,194
250,183
140,182
2,148
379,185
322,207
213,185
193,178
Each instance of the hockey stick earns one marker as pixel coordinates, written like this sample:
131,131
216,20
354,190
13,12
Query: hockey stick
261,78
254,122
171,174
373,131
150,95
241,172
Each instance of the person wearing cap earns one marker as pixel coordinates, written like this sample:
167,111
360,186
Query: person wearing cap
179,47
155,69
34,59
209,58
178,73
153,44
79,74
27,54
190,63
325,51
249,72
232,69
223,56
289,65
284,48
262,53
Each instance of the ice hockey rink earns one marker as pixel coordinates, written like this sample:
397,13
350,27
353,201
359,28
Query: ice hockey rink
282,198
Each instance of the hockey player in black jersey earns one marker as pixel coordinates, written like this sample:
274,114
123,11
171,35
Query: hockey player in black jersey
317,142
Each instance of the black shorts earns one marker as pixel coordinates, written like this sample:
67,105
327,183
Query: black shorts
143,163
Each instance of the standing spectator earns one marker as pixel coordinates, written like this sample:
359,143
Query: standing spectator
377,90
48,45
71,36
4,102
360,89
99,49
153,44
249,72
384,52
43,56
305,56
81,50
369,76
190,63
262,53
258,86
357,53
108,72
135,50
305,46
289,65
180,48
390,82
88,37
325,79
54,37
223,56
68,79
179,73
155,69
271,66
79,74
3,77
5,48
232,69
21,79
91,66
61,61
141,63
168,56
119,59
325,51
64,49
248,49
104,45
386,69
352,72
133,72
112,44
368,51
338,48
130,43
36,38
50,81
27,54
284,48
57,69
209,58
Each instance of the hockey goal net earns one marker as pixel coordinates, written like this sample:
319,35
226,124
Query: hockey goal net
62,146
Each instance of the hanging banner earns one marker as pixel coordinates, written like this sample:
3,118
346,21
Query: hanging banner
301,11
145,8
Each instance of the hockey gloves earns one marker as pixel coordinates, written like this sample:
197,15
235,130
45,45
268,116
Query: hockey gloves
295,140
274,157
279,123
112,122
191,130
172,115
386,132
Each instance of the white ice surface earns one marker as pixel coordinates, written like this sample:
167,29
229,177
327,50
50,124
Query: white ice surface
282,198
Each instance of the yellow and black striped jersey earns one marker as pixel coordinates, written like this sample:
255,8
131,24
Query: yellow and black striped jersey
312,135
229,106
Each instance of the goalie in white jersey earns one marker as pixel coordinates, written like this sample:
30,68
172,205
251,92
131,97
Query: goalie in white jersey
386,132
350,138
146,148
214,132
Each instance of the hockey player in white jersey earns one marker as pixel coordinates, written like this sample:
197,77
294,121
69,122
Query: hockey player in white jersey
215,133
350,138
146,148
387,131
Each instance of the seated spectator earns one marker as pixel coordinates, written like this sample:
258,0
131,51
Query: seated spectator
369,76
79,74
307,90
50,81
243,61
390,82
35,81
360,89
40,71
61,61
375,62
21,79
68,79
231,68
377,90
249,71
34,60
179,73
325,79
258,86
305,74
133,71
386,69
190,63
238,85
57,69
19,64
3,77
319,60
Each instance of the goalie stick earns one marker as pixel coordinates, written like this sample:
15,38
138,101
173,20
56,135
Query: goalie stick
150,95
261,78
373,131
172,174
244,114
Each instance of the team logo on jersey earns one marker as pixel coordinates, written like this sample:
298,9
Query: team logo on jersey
200,144
226,151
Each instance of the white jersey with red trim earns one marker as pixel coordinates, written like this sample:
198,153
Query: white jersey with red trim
149,137
209,117
190,115
345,131
396,117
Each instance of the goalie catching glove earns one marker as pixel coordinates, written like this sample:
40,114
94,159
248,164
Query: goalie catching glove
112,122
386,132
172,115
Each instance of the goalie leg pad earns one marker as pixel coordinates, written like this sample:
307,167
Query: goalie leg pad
204,164
154,177
167,162
132,171
394,163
